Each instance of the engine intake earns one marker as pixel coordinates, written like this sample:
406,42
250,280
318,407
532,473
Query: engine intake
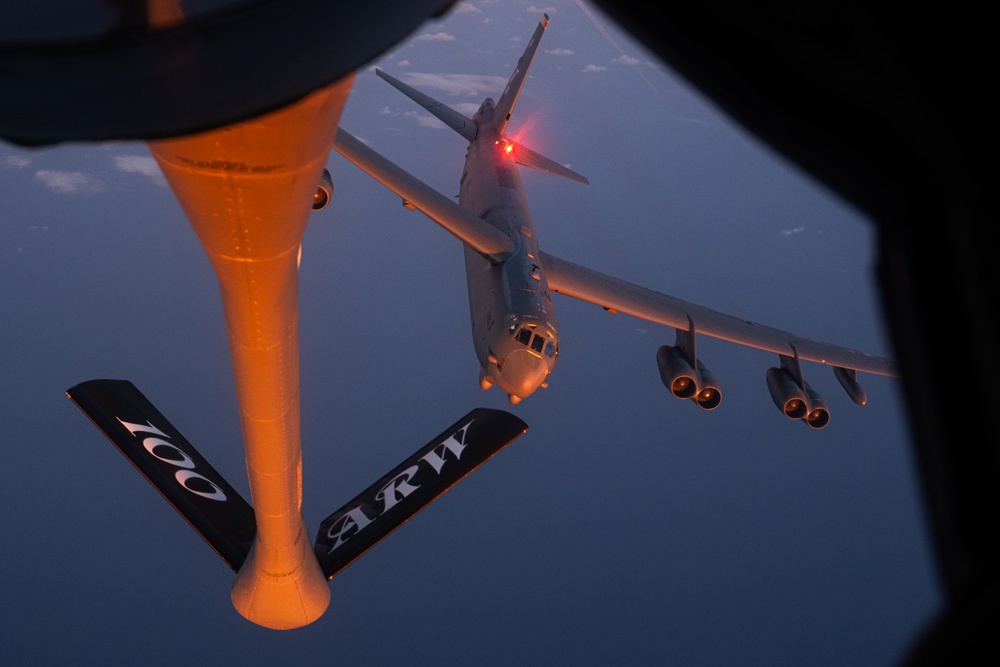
324,192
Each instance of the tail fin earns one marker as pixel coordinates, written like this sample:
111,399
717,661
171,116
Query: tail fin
171,464
501,112
348,533
505,106
453,119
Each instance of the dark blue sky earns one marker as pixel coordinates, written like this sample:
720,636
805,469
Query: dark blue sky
626,527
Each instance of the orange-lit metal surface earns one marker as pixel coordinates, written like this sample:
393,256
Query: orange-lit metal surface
248,190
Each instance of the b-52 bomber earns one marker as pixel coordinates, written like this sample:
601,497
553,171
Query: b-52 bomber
510,279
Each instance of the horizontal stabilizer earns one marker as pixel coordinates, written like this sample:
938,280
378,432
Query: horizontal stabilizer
453,119
171,464
529,158
390,502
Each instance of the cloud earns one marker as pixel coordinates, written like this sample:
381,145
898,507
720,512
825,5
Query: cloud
627,60
792,231
594,68
425,120
16,162
142,165
467,108
465,8
436,37
69,182
560,52
458,84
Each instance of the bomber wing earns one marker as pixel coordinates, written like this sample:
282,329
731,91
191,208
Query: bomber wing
618,295
471,229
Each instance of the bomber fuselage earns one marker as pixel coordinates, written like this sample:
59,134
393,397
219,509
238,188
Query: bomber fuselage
513,321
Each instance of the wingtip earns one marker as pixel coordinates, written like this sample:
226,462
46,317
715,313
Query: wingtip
545,20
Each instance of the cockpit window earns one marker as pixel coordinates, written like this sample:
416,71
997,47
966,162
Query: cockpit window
537,342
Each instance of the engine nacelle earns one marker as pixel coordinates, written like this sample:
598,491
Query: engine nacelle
795,401
683,381
676,372
324,192
786,394
818,415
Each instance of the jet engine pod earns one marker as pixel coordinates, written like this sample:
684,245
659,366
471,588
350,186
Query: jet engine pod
683,381
709,394
324,192
818,415
787,395
795,401
676,372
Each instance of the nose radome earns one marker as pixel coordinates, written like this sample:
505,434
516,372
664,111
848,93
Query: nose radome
523,373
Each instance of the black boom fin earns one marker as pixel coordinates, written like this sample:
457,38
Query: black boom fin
171,464
348,533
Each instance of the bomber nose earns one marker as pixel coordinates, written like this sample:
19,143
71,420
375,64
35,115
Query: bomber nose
522,374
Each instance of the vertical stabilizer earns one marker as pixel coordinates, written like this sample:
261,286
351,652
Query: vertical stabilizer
505,106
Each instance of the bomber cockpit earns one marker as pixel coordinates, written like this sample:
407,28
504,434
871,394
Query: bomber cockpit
535,340
528,358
